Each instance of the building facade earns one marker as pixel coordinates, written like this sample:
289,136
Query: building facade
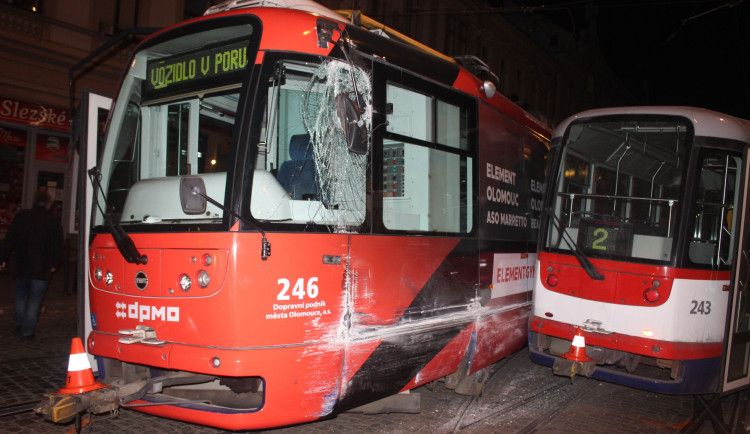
44,47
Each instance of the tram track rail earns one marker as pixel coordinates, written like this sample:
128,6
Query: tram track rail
473,406
537,394
19,408
546,417
23,384
34,359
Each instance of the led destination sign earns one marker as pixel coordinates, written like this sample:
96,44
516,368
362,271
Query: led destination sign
170,74
605,238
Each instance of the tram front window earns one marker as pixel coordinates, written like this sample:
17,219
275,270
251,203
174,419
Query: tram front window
618,189
174,116
305,172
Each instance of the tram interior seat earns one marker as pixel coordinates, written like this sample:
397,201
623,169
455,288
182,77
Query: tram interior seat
652,247
297,175
701,252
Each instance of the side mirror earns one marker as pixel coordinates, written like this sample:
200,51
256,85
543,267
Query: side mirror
349,114
192,191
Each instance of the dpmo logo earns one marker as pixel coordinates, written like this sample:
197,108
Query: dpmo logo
145,312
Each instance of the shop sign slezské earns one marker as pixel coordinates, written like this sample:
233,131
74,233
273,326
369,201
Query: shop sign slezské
38,115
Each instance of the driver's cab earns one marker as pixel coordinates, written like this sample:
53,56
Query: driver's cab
624,183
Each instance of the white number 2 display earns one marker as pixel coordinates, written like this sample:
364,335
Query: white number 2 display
300,289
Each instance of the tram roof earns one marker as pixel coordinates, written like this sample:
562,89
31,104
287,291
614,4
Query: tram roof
403,51
707,123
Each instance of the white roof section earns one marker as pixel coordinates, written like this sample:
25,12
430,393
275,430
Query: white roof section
705,122
300,5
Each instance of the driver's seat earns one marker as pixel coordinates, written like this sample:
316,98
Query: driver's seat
297,175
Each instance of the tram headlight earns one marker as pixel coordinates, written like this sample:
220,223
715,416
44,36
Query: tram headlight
98,274
185,282
651,295
109,278
203,279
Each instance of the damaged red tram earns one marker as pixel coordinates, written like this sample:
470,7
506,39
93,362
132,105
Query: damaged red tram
301,216
644,248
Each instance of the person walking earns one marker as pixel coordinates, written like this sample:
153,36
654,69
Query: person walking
35,238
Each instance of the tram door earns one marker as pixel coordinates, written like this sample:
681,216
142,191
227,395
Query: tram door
737,350
95,108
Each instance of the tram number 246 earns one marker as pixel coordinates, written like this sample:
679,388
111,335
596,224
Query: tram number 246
702,307
301,289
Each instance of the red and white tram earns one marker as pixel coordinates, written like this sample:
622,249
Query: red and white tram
300,216
644,247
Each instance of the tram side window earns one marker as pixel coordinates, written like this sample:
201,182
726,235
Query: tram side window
125,168
427,170
716,196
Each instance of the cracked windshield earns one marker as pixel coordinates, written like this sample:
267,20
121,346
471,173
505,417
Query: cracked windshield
306,170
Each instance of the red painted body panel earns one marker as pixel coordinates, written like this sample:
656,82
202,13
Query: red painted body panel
301,359
500,334
356,355
301,385
631,344
390,272
472,85
624,282
251,283
446,362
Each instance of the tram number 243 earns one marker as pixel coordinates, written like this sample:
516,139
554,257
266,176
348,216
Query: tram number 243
700,307
300,289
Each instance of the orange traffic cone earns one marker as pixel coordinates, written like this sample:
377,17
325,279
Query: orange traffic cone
577,351
80,376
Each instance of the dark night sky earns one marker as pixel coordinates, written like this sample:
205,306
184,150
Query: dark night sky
704,61
670,52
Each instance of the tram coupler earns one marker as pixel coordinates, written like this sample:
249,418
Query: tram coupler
571,368
62,408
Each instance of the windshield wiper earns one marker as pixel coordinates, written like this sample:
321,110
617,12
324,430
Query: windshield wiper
124,243
588,267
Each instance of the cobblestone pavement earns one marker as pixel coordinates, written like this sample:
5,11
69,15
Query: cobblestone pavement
519,397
